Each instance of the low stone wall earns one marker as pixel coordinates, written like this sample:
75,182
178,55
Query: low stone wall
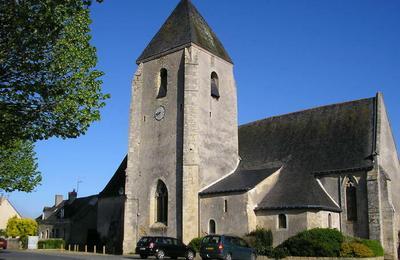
13,243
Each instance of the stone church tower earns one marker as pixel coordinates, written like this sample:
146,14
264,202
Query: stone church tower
183,128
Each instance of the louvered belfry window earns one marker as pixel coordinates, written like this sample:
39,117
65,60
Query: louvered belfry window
214,85
162,91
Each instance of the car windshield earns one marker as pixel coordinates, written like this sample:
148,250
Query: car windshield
145,239
212,240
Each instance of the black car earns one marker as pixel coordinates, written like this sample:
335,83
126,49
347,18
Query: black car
225,247
160,247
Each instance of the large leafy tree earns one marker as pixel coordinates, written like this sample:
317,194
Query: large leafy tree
18,167
48,82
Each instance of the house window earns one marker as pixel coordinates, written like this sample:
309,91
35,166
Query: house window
225,205
62,213
162,90
162,203
282,221
329,220
351,201
212,227
214,85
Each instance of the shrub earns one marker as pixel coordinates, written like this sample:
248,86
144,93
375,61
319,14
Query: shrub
51,244
355,249
278,253
318,242
195,243
261,240
21,227
375,247
24,241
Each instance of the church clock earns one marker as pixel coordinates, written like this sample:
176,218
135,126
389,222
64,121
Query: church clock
159,113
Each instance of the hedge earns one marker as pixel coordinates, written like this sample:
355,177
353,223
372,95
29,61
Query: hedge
355,249
318,242
51,244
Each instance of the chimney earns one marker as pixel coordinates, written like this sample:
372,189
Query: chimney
72,196
58,199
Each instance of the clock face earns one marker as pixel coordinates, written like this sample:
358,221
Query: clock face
159,113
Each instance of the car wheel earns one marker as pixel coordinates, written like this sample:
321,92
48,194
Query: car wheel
143,256
189,255
253,257
160,254
228,257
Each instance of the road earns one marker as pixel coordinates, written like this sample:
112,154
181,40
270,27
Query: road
40,255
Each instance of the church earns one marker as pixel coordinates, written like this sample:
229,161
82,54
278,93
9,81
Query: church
191,170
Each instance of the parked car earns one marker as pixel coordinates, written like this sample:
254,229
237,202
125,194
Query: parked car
3,243
225,247
160,247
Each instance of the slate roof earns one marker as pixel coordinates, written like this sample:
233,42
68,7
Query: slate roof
80,207
240,181
184,26
332,138
117,181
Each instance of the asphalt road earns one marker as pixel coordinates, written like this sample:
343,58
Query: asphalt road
40,255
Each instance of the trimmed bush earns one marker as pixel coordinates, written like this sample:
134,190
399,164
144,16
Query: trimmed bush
261,240
51,244
318,242
195,243
278,253
374,245
355,249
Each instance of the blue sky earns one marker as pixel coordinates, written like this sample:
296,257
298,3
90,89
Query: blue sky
289,55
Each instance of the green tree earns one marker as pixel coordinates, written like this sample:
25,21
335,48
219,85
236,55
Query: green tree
48,82
18,167
49,86
21,227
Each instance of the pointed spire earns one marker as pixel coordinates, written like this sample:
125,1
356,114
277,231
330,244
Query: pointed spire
184,26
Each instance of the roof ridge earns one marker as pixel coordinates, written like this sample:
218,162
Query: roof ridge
304,110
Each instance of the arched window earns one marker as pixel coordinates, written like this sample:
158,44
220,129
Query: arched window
329,220
212,227
351,201
162,203
214,85
282,221
162,91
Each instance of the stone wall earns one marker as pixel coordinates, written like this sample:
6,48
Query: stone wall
207,121
154,150
233,221
296,222
389,176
